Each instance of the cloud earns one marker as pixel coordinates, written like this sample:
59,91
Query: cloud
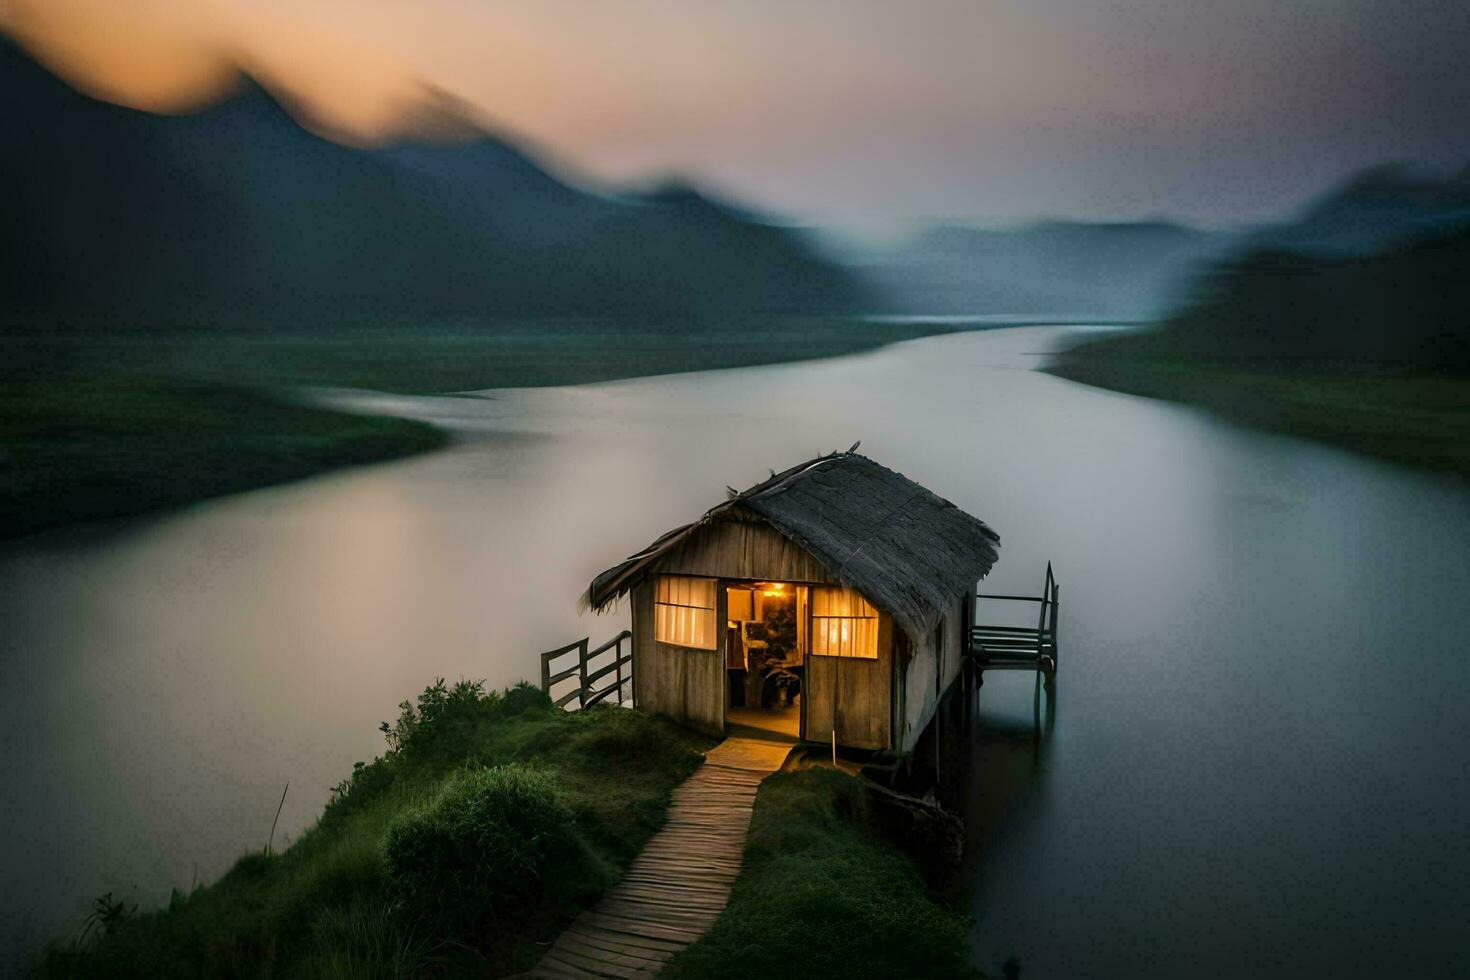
150,54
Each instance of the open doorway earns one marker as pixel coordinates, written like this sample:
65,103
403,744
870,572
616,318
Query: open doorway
765,656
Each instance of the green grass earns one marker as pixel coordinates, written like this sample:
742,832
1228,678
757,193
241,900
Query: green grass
1416,419
330,905
424,358
105,446
490,822
822,895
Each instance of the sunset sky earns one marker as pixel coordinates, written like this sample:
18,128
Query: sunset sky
861,115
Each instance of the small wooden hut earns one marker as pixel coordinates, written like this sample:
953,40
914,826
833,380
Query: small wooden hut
834,599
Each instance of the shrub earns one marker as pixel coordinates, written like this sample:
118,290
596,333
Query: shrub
487,843
446,716
445,728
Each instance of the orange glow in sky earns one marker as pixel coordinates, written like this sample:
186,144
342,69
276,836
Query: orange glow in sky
846,112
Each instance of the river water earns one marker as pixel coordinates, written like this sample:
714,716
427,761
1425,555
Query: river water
1259,756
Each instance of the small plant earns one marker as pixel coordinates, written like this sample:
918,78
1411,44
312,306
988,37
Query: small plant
485,844
105,916
270,845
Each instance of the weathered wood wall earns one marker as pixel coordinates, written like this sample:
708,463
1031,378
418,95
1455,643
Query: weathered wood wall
684,685
852,694
642,627
872,712
935,665
747,549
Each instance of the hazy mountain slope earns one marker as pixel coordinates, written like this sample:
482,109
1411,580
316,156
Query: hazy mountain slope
237,214
1376,271
1372,211
1350,325
1408,305
1117,270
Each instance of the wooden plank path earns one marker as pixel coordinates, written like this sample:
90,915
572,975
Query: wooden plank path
673,891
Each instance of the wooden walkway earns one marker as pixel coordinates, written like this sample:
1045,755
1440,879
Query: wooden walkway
673,892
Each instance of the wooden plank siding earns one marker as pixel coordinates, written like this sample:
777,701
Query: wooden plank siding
934,666
688,686
859,689
642,613
744,549
880,704
679,683
684,685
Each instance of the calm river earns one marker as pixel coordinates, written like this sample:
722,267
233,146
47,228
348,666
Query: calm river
1260,762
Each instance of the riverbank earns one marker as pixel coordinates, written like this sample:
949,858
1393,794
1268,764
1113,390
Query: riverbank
439,358
1416,419
98,425
401,874
82,449
489,823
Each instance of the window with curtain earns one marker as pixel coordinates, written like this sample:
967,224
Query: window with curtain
684,611
844,624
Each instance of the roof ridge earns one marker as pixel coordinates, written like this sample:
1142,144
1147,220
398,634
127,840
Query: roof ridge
842,508
789,474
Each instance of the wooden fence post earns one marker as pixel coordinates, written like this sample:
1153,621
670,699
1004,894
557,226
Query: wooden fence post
618,658
582,673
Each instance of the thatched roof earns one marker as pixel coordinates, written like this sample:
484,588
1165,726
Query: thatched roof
910,552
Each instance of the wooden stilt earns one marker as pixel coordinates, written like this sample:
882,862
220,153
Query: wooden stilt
1036,707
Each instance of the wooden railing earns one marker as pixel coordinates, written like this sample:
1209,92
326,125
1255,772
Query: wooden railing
1021,647
576,663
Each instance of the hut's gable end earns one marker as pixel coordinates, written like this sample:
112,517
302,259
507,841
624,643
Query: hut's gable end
741,548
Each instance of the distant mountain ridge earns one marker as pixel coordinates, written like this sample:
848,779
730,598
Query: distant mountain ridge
238,214
1130,270
1372,211
1376,272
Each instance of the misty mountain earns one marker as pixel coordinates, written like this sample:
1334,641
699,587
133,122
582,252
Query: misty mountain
1124,270
1406,305
1371,212
1376,272
237,214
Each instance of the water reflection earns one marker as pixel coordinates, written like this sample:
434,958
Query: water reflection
1260,765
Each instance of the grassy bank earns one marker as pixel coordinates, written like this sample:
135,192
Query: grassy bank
1417,419
411,871
420,358
100,446
490,821
110,423
822,894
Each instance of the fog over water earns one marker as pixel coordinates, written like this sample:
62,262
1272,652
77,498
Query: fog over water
1258,763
